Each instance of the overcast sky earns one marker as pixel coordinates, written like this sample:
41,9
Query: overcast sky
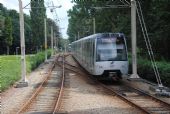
61,12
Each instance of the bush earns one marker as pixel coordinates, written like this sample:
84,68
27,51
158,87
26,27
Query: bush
145,70
37,59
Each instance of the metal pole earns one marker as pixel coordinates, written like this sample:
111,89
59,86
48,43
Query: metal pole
65,47
133,33
94,25
22,38
45,34
57,38
52,41
55,42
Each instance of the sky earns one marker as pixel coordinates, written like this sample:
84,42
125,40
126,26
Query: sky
61,12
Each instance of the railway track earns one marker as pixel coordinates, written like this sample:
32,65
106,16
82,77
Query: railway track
47,96
137,98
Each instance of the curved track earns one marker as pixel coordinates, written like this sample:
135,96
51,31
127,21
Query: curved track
47,96
141,100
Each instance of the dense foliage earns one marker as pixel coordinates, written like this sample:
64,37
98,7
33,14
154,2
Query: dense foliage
156,15
8,33
37,13
34,30
145,70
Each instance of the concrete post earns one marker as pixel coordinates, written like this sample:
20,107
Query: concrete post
133,35
23,82
45,35
52,41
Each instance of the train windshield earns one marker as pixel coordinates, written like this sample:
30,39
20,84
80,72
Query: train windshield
111,49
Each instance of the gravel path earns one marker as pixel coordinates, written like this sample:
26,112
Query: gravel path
13,98
145,86
83,96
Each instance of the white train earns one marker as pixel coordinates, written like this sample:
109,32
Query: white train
103,55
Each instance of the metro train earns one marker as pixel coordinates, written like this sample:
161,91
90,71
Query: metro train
103,55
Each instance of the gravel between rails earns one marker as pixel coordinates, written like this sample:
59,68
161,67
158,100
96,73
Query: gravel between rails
14,98
83,96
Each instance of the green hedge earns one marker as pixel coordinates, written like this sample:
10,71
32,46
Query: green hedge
146,71
37,59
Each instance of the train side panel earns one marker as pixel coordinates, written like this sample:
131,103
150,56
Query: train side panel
86,52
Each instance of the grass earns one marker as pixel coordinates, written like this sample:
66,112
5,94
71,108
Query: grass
10,67
10,71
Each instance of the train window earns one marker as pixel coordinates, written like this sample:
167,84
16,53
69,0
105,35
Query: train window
111,49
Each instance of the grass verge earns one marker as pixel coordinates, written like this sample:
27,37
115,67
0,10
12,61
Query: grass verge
10,67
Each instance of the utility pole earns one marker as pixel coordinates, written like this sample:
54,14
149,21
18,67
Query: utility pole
133,35
52,41
55,42
57,38
23,82
65,47
94,25
45,35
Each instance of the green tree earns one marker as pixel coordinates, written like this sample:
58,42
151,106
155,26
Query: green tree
38,13
1,24
8,33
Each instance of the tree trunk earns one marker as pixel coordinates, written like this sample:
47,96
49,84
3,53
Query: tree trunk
7,50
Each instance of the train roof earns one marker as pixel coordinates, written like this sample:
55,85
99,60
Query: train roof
98,35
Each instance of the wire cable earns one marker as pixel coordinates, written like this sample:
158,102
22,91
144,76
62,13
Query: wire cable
127,2
148,44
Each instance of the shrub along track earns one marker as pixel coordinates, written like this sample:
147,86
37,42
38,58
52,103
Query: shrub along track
46,98
135,97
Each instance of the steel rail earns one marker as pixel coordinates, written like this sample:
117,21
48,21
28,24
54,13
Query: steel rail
117,94
71,64
152,97
138,106
124,98
58,102
37,91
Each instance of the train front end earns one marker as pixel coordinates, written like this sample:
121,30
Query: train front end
111,56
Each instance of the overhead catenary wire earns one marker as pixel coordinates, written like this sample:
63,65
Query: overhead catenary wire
123,2
127,2
148,43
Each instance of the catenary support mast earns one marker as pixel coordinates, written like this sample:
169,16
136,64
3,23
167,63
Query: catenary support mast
133,35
